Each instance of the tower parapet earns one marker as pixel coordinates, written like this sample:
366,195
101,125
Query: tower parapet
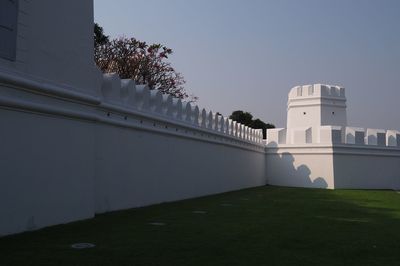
317,90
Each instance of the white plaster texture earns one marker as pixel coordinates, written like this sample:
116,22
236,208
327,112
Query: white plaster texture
137,168
47,171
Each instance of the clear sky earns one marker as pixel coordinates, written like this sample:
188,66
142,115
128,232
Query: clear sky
247,54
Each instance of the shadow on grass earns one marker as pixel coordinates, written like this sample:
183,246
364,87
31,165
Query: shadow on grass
273,226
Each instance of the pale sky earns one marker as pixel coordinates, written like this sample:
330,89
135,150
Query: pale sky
246,55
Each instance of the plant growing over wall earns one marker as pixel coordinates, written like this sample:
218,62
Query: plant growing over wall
142,62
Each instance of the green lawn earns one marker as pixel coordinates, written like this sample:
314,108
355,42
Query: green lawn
260,226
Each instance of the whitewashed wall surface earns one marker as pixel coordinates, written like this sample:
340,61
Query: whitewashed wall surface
65,158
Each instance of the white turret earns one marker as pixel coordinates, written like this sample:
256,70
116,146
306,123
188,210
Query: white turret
316,105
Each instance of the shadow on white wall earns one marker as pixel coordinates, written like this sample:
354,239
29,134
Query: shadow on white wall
300,176
284,172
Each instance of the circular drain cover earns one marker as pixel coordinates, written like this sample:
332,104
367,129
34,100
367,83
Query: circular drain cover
157,223
82,245
199,212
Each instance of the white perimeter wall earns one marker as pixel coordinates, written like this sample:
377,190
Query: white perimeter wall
136,168
64,157
300,166
46,171
361,167
334,166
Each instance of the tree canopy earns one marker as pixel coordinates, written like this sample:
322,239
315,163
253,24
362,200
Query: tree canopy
142,62
98,35
246,118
